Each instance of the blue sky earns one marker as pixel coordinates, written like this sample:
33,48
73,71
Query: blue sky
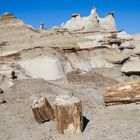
55,12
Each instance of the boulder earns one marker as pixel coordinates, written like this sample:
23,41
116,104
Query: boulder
115,57
132,66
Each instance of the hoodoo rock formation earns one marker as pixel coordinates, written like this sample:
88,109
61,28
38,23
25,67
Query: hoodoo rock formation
108,23
91,22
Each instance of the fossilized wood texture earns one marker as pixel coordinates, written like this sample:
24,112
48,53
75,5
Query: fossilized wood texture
123,93
68,114
42,110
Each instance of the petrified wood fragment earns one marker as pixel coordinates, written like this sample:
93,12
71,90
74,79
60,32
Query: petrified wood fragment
68,114
42,110
127,92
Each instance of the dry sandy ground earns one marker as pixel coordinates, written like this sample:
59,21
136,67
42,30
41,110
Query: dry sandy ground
120,122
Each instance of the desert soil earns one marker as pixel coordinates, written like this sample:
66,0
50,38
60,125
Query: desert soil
120,122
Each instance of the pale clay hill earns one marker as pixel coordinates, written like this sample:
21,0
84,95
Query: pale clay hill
79,57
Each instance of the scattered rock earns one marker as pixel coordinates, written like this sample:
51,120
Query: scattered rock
1,91
2,101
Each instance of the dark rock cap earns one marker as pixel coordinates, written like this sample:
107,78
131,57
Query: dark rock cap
110,13
75,15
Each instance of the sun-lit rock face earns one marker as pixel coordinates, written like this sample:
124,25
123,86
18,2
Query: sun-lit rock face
108,23
46,68
77,22
91,22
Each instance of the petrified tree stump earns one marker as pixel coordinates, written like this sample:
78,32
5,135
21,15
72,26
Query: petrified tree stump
42,110
68,114
127,92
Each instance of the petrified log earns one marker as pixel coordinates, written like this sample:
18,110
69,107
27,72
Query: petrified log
42,110
122,93
68,114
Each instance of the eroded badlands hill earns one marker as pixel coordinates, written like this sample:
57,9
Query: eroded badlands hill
60,51
73,59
